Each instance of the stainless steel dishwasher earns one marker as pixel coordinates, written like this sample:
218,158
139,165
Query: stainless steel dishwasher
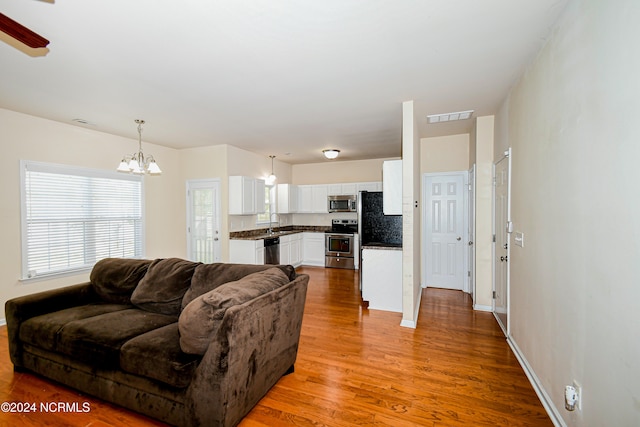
272,250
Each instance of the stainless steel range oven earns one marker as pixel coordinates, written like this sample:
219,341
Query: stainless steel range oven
339,244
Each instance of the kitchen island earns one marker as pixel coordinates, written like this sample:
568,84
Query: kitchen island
381,270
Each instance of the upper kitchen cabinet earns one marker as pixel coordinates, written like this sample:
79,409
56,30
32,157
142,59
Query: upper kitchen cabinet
342,189
392,187
287,198
246,195
369,186
312,199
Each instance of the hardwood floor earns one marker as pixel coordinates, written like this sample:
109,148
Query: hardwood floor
354,367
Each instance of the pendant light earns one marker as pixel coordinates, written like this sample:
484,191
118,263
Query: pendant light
272,178
137,163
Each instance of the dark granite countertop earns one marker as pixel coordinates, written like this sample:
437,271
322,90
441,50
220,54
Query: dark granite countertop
386,246
263,233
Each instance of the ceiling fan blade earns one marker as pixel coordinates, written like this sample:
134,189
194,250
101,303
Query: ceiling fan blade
21,33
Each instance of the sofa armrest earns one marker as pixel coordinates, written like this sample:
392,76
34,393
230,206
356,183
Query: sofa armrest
17,310
257,344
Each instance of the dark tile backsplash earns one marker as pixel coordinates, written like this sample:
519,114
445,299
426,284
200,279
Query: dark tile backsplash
377,227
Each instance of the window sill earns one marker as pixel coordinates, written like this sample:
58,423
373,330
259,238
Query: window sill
53,276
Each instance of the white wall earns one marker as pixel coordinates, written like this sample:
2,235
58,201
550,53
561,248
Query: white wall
26,137
575,285
411,289
338,171
208,163
444,154
483,148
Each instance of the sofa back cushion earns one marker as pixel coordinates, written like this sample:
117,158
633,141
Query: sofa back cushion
200,320
114,279
207,277
161,290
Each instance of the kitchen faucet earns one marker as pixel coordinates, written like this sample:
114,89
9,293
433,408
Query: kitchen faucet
271,222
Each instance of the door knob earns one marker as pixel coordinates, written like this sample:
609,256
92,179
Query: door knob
458,238
470,243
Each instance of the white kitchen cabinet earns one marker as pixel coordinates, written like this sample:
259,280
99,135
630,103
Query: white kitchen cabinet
392,187
246,195
334,189
290,249
319,199
295,251
285,250
381,272
347,189
313,249
350,189
304,199
260,254
246,251
287,198
260,197
312,199
369,186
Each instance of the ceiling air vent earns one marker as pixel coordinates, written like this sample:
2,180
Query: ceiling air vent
449,117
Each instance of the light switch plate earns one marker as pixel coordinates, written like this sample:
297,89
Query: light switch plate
518,239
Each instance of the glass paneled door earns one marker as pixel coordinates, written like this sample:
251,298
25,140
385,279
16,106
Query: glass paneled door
203,220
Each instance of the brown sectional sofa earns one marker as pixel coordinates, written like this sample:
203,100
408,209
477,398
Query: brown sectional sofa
187,343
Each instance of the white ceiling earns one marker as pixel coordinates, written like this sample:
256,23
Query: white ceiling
271,76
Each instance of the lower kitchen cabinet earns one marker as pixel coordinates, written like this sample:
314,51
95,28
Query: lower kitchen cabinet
290,249
381,271
246,251
313,249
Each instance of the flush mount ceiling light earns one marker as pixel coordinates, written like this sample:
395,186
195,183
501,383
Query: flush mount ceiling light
137,163
271,179
449,117
331,153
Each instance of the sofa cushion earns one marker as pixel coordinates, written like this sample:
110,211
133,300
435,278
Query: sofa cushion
114,279
97,340
207,277
162,288
157,355
42,331
200,320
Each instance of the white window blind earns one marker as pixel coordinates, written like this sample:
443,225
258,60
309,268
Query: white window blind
74,217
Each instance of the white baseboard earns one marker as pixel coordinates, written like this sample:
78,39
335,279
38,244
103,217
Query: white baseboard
479,307
544,397
408,324
413,323
3,322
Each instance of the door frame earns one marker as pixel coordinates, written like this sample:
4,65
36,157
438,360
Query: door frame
506,329
465,220
471,230
214,183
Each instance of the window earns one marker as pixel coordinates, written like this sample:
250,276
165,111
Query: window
74,217
269,204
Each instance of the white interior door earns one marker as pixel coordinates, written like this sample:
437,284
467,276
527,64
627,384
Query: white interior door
203,220
444,257
501,248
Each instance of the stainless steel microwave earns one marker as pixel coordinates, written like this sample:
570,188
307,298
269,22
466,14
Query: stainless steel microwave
348,203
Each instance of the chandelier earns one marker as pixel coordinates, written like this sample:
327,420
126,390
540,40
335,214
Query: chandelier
137,163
